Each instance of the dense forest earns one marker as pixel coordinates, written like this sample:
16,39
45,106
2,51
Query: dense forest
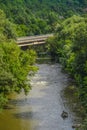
32,17
67,19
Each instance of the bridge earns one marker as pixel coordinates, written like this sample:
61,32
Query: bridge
32,40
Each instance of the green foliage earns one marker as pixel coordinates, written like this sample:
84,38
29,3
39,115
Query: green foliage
40,16
15,66
7,29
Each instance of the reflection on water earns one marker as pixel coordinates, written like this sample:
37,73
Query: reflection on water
42,108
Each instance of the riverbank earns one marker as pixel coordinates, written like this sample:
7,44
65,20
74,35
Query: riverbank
71,94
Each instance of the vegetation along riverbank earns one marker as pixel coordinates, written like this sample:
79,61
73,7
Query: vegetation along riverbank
15,64
70,47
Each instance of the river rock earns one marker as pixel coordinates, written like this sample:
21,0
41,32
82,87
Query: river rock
64,115
76,126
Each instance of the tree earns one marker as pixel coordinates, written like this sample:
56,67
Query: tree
7,29
15,65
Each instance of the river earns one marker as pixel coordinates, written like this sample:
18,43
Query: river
41,109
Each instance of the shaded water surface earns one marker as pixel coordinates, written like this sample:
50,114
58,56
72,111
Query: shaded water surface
42,108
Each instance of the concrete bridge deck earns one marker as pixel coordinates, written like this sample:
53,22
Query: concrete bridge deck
33,40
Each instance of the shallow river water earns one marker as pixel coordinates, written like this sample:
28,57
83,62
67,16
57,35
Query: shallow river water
41,109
